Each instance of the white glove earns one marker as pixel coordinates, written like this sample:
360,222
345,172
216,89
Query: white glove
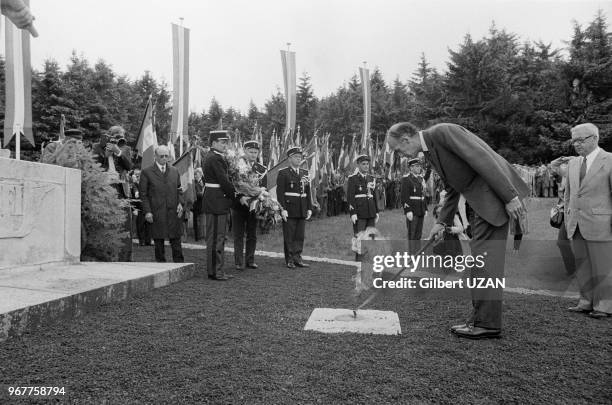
376,220
410,216
354,219
284,215
308,214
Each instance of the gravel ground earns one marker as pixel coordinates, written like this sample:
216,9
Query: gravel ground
242,341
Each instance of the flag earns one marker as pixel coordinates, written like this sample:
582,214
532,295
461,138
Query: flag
147,140
62,134
184,165
288,61
298,138
180,82
367,107
171,150
18,105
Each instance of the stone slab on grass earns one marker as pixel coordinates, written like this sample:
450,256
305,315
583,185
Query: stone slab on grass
369,321
34,297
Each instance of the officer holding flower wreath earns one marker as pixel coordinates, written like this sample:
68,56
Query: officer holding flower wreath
245,219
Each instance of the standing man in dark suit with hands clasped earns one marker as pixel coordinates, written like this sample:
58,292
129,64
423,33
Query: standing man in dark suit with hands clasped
494,190
162,203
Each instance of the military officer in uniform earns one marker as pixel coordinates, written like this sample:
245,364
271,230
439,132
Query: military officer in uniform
242,218
413,201
361,199
293,192
219,195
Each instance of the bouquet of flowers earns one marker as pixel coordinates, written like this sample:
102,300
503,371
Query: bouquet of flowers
247,183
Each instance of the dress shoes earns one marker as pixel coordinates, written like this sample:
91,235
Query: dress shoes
302,264
598,314
476,332
290,265
252,266
455,327
579,310
224,277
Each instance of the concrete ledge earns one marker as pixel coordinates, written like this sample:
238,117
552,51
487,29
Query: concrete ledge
35,297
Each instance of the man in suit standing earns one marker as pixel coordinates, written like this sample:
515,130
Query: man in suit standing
360,197
293,192
219,195
413,201
162,203
588,203
492,187
244,220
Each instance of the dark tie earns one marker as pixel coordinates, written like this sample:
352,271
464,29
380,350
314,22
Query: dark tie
583,169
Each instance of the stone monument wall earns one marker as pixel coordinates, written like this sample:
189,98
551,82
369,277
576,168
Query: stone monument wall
40,214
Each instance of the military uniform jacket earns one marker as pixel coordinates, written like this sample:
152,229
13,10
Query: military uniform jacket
219,192
293,192
360,196
413,195
260,170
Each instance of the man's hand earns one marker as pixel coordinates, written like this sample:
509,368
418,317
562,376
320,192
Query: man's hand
179,210
354,219
515,208
284,215
112,148
19,14
437,232
308,214
377,217
410,216
244,200
149,217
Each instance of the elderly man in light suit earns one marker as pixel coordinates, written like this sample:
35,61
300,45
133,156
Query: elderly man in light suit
588,202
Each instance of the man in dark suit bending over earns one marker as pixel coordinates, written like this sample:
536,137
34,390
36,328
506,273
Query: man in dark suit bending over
494,190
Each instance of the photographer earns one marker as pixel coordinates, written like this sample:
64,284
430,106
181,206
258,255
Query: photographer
113,154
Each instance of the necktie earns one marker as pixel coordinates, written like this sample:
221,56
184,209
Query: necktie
583,169
163,169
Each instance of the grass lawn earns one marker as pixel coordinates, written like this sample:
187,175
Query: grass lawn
242,341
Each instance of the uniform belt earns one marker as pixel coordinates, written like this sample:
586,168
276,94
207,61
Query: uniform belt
295,194
361,195
212,185
417,198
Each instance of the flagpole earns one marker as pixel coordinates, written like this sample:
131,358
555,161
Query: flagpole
181,129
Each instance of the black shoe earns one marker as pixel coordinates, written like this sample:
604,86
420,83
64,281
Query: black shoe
579,310
476,332
598,314
252,266
212,277
290,265
302,264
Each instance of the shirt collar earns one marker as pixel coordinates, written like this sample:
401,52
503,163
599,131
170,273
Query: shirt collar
423,146
591,156
160,167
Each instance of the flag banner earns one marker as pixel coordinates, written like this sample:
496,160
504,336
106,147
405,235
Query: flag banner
180,82
62,134
18,106
367,108
147,139
184,164
288,60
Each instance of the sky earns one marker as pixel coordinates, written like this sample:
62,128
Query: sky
235,44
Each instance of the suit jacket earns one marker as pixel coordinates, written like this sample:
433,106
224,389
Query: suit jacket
364,207
293,192
161,195
589,205
217,199
469,166
413,195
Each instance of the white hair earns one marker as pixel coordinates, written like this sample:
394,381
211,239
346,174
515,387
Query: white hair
162,148
590,129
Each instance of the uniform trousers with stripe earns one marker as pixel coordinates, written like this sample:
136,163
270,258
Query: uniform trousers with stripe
415,232
216,229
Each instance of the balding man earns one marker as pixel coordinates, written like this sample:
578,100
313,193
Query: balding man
492,187
162,203
588,206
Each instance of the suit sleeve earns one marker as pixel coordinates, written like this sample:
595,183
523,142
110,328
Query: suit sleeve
481,160
145,192
280,188
350,195
405,195
223,179
448,211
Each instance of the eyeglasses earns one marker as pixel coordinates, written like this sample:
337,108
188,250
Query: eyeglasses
163,156
580,141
